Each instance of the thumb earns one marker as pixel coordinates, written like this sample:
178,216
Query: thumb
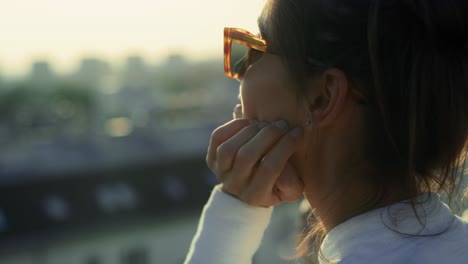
289,186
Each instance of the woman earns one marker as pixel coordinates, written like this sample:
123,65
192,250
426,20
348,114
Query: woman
360,106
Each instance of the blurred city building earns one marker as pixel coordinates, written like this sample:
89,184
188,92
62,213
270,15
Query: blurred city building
106,165
41,74
92,71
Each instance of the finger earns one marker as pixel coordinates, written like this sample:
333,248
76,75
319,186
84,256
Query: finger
222,134
289,185
288,188
253,151
273,164
227,151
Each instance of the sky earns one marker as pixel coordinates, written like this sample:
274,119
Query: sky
63,31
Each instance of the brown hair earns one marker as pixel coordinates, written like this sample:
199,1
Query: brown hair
410,59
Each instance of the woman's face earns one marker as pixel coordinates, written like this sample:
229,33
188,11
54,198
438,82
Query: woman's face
268,93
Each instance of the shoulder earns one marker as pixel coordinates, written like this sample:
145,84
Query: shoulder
447,247
397,235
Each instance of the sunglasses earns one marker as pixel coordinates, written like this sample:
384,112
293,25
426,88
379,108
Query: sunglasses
242,49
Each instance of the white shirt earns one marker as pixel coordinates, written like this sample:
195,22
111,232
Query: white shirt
231,231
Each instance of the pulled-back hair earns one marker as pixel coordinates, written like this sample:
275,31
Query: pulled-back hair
409,58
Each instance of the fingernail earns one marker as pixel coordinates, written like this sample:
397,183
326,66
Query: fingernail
253,121
262,124
296,132
281,124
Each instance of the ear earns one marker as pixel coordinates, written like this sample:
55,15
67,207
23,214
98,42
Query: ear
327,95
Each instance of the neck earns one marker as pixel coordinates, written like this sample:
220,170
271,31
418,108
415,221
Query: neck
338,193
336,204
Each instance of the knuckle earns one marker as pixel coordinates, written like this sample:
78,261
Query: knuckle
225,150
245,155
216,135
268,166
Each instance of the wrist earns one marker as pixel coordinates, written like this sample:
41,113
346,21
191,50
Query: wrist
223,190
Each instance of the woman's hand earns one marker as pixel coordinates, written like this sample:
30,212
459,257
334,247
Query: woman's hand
251,160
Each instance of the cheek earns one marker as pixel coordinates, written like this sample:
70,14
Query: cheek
267,93
267,99
258,99
253,97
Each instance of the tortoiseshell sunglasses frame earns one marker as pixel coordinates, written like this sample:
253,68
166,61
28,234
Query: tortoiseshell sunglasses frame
252,41
243,37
